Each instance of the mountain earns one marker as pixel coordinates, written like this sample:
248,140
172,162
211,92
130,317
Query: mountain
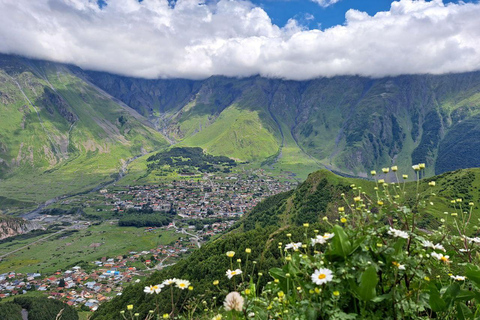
73,129
349,124
61,134
271,220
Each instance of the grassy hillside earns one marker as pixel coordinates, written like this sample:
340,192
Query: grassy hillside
62,132
269,222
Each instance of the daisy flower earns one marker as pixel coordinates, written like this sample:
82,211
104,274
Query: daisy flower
154,289
398,233
321,276
231,273
293,245
182,284
169,282
458,278
440,257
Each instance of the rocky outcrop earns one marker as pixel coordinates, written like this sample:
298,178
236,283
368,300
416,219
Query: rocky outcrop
10,227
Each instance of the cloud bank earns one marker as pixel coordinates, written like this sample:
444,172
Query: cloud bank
150,39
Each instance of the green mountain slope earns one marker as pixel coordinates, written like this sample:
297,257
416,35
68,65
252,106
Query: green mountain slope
349,124
269,222
62,132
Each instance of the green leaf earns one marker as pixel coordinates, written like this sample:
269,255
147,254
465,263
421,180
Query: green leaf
451,293
463,312
465,295
436,302
368,281
341,246
473,274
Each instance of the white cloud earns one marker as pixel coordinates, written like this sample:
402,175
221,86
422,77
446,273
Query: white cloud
326,3
234,38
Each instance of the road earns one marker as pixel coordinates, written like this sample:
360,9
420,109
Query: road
36,241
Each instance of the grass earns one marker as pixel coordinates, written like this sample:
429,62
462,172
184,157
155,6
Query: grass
238,134
59,252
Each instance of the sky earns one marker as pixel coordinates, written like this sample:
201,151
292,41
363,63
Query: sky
288,39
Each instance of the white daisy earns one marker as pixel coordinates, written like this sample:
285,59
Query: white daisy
321,276
458,278
440,257
293,245
328,236
398,233
169,282
438,246
153,289
182,284
231,273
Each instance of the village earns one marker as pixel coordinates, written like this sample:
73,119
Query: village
202,209
212,196
99,281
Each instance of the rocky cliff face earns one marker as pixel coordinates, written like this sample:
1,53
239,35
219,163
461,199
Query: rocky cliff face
10,227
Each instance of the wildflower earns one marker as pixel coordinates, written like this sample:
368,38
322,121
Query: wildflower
215,282
380,203
394,168
416,167
130,307
293,245
357,199
421,165
190,288
398,233
182,284
431,183
454,214
233,301
440,257
429,244
341,209
306,225
231,273
247,291
385,170
325,218
473,240
373,172
336,293
154,289
281,294
458,278
343,220
398,265
328,236
230,254
248,250
426,278
217,317
405,176
251,314
169,282
471,204
381,181
321,276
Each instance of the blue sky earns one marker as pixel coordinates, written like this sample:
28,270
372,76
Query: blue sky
282,10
